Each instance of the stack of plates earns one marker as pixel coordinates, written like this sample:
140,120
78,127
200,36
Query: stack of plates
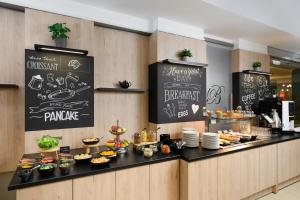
210,141
191,137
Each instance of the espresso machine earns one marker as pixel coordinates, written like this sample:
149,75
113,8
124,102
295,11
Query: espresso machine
278,115
288,116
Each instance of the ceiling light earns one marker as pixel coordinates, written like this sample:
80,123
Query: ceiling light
276,62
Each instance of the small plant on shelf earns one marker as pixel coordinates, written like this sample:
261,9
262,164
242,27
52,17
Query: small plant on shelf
256,65
185,54
59,33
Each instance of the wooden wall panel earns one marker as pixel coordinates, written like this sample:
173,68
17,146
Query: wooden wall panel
175,129
11,44
36,30
243,60
168,45
11,100
119,56
81,37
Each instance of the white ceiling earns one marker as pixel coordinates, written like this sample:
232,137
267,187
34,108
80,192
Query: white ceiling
269,22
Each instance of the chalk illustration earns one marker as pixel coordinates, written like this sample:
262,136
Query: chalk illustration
195,108
71,77
75,64
170,110
42,97
82,84
52,85
60,80
182,85
52,105
64,94
214,94
36,82
50,77
72,86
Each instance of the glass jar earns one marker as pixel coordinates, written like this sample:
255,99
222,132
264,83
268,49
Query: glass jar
137,138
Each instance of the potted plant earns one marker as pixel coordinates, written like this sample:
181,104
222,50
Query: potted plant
59,34
256,65
185,55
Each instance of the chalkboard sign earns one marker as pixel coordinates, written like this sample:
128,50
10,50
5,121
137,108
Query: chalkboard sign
249,89
59,91
177,92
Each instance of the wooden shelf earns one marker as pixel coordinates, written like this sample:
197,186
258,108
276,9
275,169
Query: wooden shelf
9,86
256,72
180,62
129,90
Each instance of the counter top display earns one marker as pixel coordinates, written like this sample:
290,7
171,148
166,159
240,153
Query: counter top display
133,159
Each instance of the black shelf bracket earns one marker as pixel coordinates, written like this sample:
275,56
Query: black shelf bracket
129,90
180,62
39,47
13,86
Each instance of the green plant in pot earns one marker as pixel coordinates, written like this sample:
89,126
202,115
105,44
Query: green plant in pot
256,65
59,33
185,55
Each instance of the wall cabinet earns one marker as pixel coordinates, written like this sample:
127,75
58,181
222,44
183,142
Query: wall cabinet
267,167
229,173
133,183
53,191
249,172
164,180
96,187
288,160
198,180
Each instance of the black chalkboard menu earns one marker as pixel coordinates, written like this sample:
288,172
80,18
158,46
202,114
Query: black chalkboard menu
249,89
177,93
59,91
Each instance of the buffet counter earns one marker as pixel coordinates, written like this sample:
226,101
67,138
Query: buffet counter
159,177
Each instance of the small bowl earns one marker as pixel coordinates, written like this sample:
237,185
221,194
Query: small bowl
46,172
24,174
65,168
81,161
253,137
100,164
90,142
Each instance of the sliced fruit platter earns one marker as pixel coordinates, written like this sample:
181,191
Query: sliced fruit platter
108,153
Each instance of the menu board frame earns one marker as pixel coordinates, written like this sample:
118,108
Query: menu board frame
59,90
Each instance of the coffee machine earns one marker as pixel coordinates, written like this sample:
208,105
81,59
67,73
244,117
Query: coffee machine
283,120
288,115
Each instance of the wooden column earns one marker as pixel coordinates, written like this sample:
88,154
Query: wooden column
166,46
243,60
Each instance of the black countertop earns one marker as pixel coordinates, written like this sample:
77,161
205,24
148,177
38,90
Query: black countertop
133,159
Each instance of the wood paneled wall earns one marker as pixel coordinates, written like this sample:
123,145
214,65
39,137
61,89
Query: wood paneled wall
119,56
243,60
81,37
163,46
11,100
166,45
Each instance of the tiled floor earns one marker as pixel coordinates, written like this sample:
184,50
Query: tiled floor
291,192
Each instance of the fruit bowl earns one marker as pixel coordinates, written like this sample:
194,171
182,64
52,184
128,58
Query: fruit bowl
118,131
120,146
